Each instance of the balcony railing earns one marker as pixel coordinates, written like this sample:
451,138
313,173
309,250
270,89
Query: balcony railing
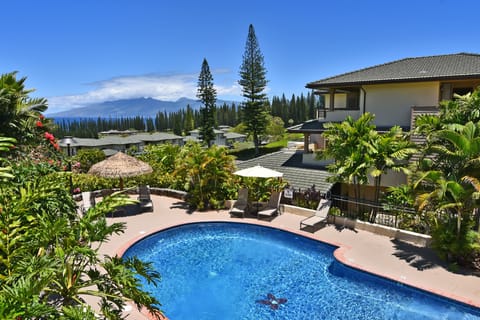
337,114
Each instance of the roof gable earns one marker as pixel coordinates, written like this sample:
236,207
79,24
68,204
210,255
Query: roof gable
442,67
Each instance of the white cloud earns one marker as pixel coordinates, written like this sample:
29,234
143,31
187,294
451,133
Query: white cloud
162,87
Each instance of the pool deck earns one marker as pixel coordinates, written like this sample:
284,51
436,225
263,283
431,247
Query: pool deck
397,260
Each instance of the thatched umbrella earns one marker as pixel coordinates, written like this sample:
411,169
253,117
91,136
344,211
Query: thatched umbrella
120,166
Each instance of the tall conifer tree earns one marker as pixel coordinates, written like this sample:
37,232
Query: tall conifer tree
208,95
189,120
253,82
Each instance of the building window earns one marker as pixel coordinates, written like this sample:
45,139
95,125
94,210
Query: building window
353,99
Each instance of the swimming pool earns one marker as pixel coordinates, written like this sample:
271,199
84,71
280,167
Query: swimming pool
241,271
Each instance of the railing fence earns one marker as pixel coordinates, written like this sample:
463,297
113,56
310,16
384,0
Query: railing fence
349,207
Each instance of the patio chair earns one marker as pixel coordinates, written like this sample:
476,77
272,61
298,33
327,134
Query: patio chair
240,206
88,201
320,216
146,203
273,206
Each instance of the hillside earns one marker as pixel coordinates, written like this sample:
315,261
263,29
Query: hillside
146,107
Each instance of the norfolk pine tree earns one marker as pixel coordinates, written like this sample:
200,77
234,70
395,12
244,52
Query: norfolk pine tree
208,95
253,82
189,122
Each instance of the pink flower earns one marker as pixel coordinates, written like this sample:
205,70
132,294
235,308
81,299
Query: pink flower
49,136
55,145
39,124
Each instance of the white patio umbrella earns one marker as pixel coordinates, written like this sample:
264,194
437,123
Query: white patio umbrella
258,172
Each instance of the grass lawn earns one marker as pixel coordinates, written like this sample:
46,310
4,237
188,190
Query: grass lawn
245,150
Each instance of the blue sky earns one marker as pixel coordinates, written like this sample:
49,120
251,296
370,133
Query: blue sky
85,51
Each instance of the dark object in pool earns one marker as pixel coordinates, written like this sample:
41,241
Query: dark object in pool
272,301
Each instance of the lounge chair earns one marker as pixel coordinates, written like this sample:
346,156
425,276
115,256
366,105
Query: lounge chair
88,201
239,207
144,198
320,216
272,207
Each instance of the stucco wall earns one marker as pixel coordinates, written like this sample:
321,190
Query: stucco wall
391,178
391,103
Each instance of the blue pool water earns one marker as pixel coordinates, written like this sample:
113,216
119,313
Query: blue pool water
224,270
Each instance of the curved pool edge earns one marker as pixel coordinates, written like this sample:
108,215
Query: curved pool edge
339,254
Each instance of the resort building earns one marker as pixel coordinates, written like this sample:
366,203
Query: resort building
111,142
223,137
395,92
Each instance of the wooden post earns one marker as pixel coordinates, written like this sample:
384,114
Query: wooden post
332,99
306,139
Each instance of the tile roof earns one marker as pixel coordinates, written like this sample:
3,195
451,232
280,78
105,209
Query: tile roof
314,125
234,135
122,140
441,67
294,171
157,136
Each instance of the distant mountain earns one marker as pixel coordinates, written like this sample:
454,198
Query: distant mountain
146,107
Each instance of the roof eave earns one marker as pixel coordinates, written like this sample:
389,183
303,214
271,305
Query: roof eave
320,84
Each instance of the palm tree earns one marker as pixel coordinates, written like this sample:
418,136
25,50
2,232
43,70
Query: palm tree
391,151
350,144
18,112
450,186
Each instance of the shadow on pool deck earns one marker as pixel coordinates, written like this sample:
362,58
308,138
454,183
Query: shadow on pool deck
425,258
420,258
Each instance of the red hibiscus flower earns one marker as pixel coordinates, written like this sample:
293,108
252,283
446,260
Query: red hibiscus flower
49,136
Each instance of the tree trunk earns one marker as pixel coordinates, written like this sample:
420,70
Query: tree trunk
476,217
256,143
459,223
356,189
376,195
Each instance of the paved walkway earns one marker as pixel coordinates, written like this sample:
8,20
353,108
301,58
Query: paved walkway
400,261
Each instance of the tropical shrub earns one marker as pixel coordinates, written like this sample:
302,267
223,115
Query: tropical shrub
85,158
447,180
205,174
260,189
453,246
88,182
308,198
400,201
49,255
